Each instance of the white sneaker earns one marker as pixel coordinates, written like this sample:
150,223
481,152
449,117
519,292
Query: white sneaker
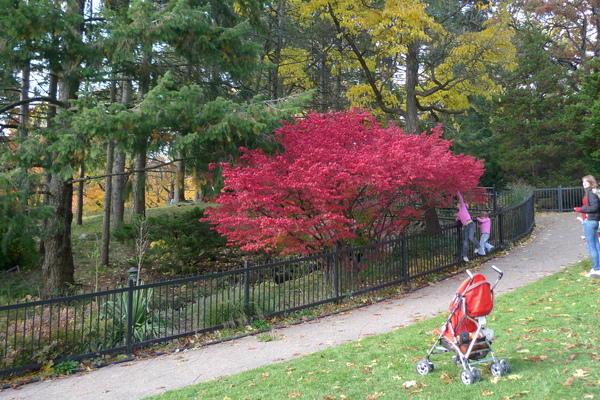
466,259
593,272
476,250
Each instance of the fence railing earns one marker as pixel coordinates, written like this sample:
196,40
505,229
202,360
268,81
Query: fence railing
117,321
558,199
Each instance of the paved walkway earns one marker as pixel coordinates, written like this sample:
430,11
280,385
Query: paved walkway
555,243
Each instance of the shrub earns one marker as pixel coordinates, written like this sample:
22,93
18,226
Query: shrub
228,309
147,324
178,240
514,194
66,367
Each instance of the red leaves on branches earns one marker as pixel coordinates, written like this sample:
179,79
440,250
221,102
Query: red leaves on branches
340,176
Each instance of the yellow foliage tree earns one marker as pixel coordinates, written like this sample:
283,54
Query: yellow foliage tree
418,59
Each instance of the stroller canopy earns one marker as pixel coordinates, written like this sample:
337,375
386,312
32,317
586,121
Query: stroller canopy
477,296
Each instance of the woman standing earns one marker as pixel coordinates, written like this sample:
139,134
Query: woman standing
591,206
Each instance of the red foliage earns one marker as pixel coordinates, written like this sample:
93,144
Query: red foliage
342,175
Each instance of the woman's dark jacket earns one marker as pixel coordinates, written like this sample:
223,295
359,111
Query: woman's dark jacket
593,208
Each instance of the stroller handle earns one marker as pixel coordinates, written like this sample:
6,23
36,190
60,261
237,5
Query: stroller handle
498,271
500,275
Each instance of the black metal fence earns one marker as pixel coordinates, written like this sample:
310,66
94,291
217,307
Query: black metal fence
117,321
558,199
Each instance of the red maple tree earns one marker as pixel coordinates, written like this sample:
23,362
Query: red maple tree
340,176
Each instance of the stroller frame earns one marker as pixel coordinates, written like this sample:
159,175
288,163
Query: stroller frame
465,335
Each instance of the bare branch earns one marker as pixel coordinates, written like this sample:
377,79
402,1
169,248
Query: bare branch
33,100
160,165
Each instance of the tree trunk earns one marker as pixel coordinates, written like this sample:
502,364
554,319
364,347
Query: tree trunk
105,244
412,80
58,268
432,222
25,83
80,186
179,195
117,201
52,93
119,181
138,195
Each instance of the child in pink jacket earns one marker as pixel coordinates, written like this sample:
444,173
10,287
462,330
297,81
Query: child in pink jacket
463,216
486,225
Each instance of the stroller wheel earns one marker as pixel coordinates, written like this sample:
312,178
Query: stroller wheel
467,377
424,367
476,375
497,368
506,366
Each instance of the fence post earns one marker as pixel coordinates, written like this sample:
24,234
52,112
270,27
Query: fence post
404,256
500,228
246,290
129,335
560,199
336,283
459,242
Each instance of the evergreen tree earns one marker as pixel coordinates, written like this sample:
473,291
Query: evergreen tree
530,121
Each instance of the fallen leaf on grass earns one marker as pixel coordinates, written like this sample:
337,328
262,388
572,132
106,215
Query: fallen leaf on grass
294,394
486,392
408,384
569,381
537,358
581,373
373,396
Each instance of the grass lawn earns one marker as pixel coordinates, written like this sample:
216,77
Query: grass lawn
548,331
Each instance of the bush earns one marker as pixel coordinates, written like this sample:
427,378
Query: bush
147,323
514,194
178,240
227,309
17,250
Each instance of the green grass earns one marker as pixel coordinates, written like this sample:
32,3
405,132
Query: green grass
548,331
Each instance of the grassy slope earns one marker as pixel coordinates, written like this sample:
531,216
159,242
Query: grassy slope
549,332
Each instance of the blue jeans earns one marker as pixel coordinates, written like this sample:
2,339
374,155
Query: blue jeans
590,231
484,244
469,234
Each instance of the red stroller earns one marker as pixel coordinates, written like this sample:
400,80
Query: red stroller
464,331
